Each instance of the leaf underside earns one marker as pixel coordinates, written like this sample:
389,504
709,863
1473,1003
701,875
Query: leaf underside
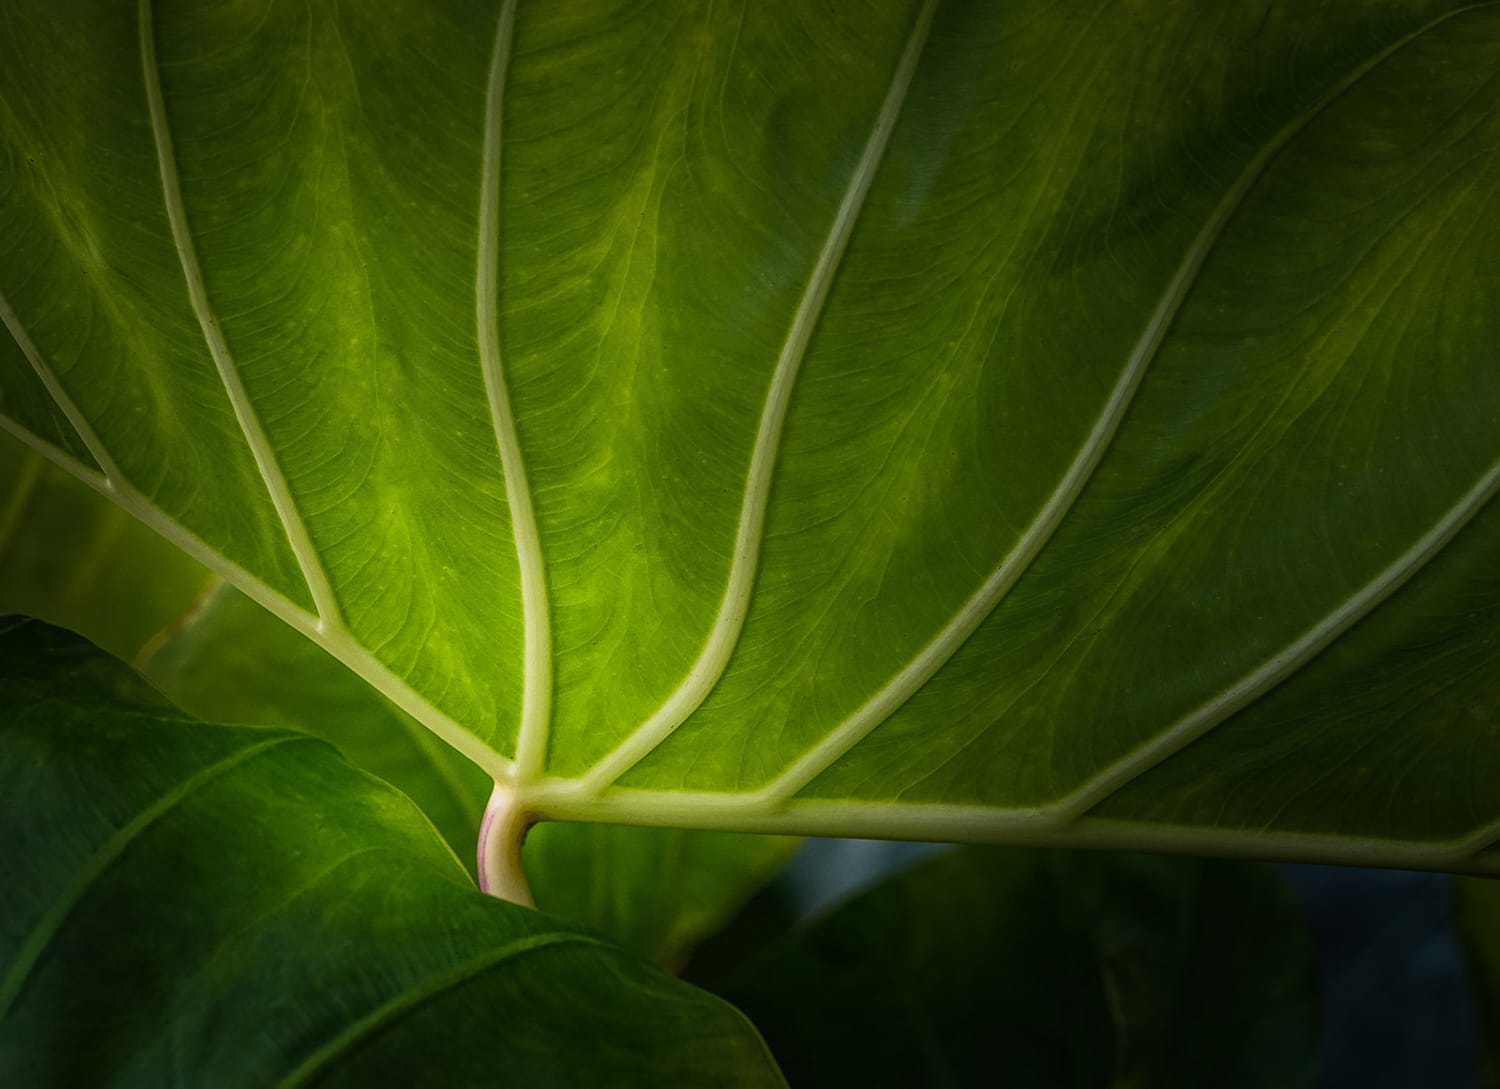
71,558
317,930
653,890
1043,421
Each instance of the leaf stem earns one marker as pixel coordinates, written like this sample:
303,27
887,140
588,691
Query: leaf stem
501,834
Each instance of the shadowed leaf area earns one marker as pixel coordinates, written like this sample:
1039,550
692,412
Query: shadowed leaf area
222,658
1045,969
237,906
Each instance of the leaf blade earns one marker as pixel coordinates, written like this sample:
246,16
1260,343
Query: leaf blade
1167,380
275,970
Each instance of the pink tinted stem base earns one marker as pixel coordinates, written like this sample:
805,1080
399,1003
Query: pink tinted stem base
500,837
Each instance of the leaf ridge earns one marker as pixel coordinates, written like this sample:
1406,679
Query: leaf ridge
414,996
724,634
937,652
292,523
224,947
536,696
110,850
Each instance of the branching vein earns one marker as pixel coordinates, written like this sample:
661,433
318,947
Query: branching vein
982,602
244,410
536,700
730,619
338,643
1278,668
65,403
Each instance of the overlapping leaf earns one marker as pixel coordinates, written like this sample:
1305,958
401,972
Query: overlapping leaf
655,890
948,419
237,906
70,557
1034,968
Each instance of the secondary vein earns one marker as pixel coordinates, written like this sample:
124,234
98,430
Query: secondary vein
336,642
60,396
536,697
1255,684
714,656
261,449
405,1002
983,601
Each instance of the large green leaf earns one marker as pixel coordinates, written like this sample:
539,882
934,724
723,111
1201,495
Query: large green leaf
1034,968
654,890
221,905
228,660
221,657
1036,420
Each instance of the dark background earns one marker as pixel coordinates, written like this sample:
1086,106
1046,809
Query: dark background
1396,1007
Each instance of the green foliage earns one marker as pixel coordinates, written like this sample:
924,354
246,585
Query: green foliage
1058,422
1000,966
71,558
656,891
237,906
222,658
1053,422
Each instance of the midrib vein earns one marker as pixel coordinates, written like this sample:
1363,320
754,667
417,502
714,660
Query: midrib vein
733,606
937,652
536,696
308,560
1255,684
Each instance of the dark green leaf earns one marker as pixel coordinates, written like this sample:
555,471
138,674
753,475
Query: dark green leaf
231,661
1051,420
1024,968
656,891
221,905
1478,904
227,660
